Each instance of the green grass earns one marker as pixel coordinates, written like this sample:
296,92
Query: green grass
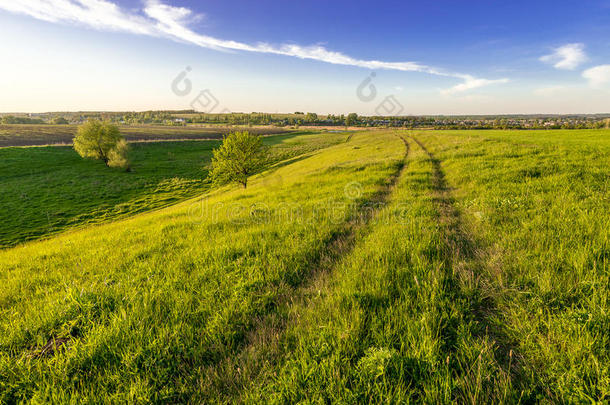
539,205
151,303
46,190
485,281
475,269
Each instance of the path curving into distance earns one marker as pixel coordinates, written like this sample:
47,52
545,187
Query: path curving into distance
262,346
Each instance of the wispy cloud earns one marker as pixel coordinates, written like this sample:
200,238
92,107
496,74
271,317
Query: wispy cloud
165,21
598,75
470,83
98,14
568,56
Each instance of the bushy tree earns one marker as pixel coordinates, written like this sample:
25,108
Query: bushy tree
103,141
351,119
311,117
119,156
240,156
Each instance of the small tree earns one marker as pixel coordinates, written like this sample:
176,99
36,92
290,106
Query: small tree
351,119
240,156
98,140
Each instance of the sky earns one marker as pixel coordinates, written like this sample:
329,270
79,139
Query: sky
385,57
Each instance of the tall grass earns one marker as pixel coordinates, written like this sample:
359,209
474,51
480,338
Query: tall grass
475,269
392,322
539,204
139,310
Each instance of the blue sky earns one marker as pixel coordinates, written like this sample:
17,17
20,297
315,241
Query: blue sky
433,57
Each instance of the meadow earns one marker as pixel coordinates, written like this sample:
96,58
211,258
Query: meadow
381,266
46,190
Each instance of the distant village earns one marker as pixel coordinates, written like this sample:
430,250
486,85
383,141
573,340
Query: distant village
299,119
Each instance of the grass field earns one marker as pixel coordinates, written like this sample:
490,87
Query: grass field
29,135
386,266
46,190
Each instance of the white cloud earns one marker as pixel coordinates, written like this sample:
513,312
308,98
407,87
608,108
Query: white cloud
568,56
472,83
598,75
162,20
98,14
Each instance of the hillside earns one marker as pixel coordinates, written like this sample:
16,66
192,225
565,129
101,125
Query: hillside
394,266
48,190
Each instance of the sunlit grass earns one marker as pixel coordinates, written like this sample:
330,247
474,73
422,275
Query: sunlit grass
539,203
149,303
475,270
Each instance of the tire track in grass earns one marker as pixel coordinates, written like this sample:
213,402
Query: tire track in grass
262,343
467,259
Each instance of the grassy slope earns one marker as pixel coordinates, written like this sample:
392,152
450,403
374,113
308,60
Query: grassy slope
539,205
369,329
492,286
46,190
481,276
153,303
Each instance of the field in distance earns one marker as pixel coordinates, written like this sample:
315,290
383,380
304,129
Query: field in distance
29,135
386,267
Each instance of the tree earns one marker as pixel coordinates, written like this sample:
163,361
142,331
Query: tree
351,119
311,118
98,140
240,156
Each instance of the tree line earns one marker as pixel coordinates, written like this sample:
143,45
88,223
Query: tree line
297,119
